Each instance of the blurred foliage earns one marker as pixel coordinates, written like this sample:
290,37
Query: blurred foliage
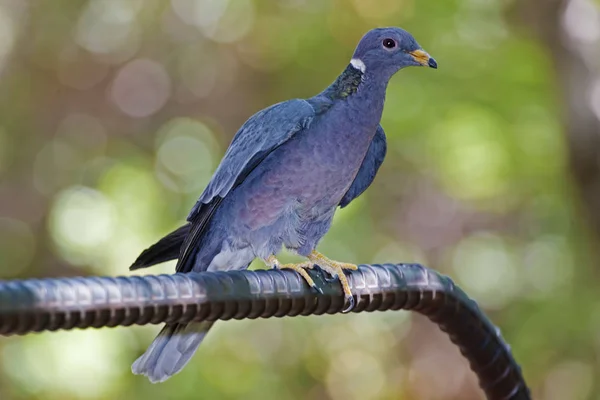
115,113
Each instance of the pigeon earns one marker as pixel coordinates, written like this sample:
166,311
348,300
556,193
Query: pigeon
282,178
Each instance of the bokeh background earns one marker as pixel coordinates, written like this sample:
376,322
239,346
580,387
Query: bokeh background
115,113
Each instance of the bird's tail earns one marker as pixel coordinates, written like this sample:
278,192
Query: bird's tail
171,350
176,343
166,249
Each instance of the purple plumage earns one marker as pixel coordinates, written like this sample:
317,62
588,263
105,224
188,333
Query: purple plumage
287,170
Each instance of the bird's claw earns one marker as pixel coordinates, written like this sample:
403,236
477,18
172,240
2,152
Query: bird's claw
333,268
336,270
299,268
351,304
327,277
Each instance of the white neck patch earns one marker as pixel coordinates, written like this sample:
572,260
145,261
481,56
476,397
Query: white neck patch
358,64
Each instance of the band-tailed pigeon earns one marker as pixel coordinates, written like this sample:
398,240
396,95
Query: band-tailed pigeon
285,173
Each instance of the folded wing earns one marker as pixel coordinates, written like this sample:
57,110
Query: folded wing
257,138
368,169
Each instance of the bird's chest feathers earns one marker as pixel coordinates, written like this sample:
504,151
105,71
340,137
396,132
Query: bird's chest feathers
323,160
333,162
338,142
344,144
348,130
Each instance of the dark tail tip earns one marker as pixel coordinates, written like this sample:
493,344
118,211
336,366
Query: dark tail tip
166,249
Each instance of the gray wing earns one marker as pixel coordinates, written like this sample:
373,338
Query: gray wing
368,169
259,136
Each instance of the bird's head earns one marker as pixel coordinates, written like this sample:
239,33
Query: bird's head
387,50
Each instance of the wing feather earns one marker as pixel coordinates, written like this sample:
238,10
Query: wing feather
255,140
261,134
368,169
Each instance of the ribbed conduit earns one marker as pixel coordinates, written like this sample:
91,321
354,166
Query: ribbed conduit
36,305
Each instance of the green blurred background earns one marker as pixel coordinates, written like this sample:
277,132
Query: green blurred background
115,113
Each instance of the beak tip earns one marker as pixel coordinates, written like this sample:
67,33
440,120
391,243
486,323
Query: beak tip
432,63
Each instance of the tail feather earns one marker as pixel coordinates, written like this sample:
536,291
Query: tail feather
171,350
175,345
166,249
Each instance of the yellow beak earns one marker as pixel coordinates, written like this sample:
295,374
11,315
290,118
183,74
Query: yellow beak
423,58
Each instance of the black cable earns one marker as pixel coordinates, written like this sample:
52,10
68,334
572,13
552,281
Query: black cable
36,305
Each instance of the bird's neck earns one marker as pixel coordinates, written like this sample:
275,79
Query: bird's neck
355,83
346,84
358,93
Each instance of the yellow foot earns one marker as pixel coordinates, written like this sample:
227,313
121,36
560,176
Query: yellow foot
335,268
300,268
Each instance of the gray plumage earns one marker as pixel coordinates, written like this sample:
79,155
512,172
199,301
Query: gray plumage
286,171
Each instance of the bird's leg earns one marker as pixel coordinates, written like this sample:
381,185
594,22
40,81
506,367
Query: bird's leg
335,268
300,268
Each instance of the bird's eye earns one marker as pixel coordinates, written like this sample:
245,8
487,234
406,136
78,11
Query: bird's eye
389,43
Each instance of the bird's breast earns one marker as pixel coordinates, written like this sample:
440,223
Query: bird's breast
327,160
309,174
